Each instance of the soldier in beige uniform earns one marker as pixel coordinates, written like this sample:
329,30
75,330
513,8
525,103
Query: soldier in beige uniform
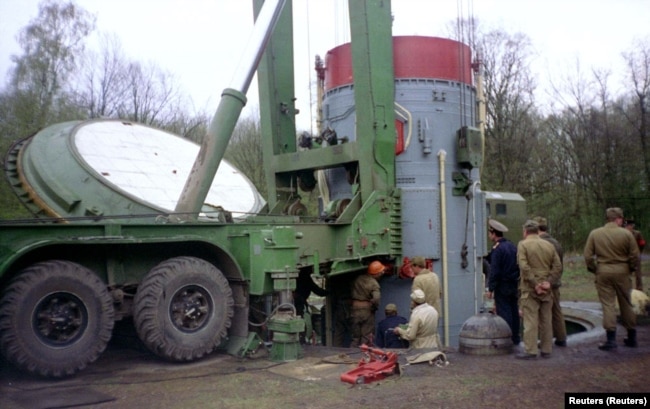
427,281
611,253
422,329
539,267
365,301
559,325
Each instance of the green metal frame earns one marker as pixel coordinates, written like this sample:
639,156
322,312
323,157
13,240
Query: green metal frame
275,75
374,93
371,224
262,256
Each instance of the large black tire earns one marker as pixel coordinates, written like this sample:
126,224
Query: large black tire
56,317
183,309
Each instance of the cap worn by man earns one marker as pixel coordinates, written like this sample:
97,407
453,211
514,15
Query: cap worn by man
390,308
418,262
495,225
417,296
541,221
531,224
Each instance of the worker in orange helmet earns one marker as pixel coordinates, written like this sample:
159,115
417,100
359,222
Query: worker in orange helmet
365,301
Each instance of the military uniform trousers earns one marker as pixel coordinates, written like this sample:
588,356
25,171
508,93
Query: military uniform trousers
362,326
610,287
559,325
538,323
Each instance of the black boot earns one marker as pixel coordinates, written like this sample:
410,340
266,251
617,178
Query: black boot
611,342
630,341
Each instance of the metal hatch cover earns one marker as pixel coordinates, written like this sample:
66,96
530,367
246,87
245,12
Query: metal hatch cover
116,168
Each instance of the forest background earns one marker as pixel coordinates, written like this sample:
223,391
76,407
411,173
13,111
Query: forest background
571,158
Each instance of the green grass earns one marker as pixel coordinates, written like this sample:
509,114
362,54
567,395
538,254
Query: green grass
578,283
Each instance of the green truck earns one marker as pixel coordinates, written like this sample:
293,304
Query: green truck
396,166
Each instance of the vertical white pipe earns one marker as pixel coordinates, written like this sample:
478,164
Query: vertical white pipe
477,271
442,154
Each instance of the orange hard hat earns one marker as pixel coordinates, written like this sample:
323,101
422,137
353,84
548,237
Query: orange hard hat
375,268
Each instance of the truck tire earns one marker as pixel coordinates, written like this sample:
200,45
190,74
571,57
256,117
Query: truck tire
183,309
56,317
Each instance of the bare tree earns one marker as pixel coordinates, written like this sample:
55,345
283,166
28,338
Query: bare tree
152,95
102,91
245,152
193,127
510,123
51,44
589,153
637,112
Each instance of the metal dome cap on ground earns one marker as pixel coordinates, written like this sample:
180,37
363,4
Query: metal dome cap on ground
119,170
485,334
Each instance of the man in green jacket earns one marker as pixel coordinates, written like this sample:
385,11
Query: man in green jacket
559,325
539,268
611,253
366,295
427,281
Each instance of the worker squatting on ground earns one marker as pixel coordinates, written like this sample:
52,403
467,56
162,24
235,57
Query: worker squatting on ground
365,301
503,280
559,326
539,268
611,253
422,329
385,336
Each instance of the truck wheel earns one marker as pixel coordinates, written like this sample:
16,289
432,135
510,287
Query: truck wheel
183,309
56,317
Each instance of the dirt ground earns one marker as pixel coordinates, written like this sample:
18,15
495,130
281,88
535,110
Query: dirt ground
126,376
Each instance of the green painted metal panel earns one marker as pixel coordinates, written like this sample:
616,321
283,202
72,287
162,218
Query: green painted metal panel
277,111
374,88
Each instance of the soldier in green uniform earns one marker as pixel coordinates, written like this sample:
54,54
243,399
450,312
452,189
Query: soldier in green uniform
611,253
427,281
559,326
539,267
365,301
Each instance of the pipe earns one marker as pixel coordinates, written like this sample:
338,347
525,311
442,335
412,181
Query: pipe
474,240
442,154
482,114
225,119
323,187
264,25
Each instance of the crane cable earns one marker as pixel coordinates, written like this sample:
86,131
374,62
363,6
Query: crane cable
311,98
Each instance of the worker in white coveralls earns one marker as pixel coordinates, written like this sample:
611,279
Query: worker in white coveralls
422,328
